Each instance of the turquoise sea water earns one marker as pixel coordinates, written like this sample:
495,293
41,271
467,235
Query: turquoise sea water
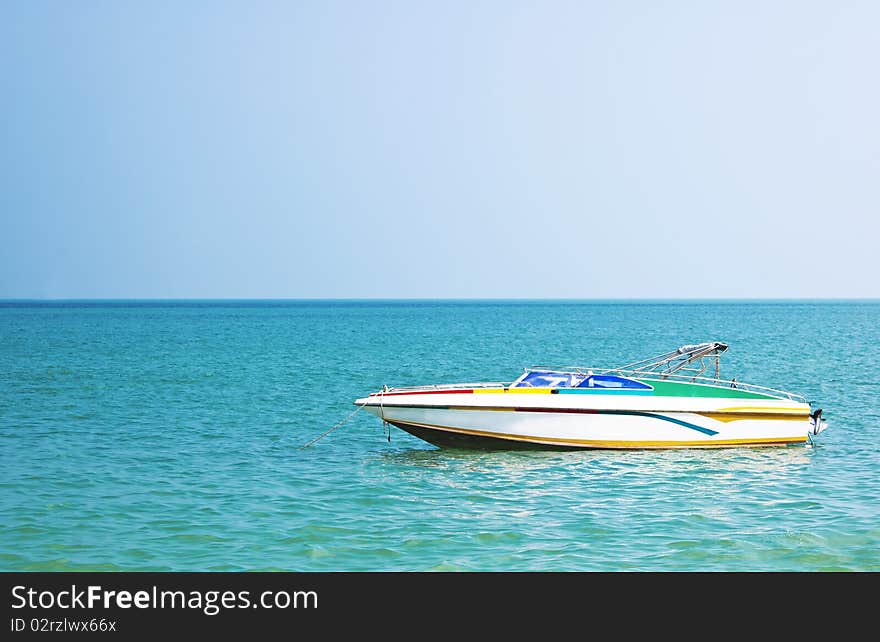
164,436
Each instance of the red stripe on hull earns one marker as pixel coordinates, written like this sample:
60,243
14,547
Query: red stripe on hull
423,392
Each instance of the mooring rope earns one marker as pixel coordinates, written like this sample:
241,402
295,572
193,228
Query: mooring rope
338,424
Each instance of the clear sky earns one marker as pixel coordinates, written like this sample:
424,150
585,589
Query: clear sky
439,149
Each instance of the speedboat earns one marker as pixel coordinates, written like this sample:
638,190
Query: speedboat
661,402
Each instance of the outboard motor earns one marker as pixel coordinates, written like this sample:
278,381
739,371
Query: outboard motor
817,424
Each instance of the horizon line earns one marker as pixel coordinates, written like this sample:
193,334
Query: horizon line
421,299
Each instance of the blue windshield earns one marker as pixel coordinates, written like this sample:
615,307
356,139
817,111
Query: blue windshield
553,379
549,379
611,382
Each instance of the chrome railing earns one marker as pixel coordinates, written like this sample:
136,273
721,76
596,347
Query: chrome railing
646,375
451,386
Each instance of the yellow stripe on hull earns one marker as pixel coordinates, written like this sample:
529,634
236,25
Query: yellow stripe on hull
762,413
595,443
767,409
727,417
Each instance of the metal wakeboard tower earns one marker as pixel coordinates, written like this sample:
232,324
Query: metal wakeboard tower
689,361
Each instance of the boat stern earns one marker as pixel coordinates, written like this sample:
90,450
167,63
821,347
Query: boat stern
817,424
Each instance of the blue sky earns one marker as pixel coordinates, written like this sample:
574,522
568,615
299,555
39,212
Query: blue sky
439,149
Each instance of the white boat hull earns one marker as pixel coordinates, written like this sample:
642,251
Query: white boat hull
567,421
